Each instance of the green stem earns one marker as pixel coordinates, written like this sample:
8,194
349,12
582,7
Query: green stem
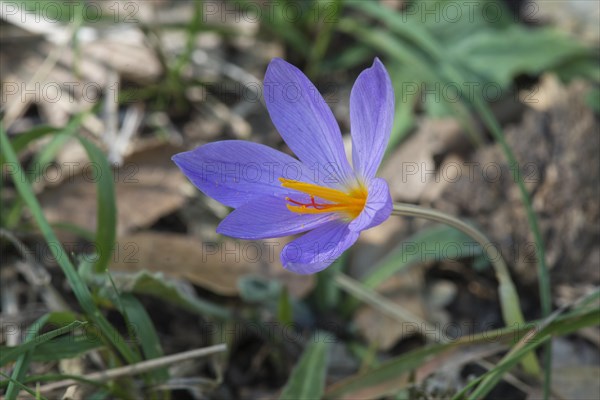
509,298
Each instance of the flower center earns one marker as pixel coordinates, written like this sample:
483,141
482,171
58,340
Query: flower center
351,203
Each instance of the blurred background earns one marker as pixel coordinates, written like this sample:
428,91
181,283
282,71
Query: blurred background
110,256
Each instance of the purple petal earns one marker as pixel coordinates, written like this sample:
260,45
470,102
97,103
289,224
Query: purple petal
268,217
306,122
317,249
377,209
235,172
371,118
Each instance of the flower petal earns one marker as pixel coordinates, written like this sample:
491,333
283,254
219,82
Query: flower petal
268,217
371,118
305,122
235,172
317,249
377,209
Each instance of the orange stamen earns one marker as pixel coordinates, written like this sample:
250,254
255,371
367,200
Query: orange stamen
351,203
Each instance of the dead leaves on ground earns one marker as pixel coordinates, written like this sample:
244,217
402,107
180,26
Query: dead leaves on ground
148,186
213,265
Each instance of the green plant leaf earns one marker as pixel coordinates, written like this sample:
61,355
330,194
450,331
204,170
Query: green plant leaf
33,339
258,289
21,141
488,53
154,284
144,332
106,231
60,348
285,312
498,57
40,160
307,380
21,386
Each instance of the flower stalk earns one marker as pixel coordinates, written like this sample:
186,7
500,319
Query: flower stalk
509,299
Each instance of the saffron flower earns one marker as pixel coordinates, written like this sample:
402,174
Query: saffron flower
275,195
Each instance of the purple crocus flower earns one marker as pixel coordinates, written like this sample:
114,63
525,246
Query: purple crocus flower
319,193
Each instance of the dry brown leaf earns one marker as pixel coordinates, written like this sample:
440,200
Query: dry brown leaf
412,168
133,60
405,290
148,186
216,266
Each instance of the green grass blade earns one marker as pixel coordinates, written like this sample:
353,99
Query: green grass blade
145,332
155,285
307,381
40,161
33,340
326,28
19,371
107,207
392,370
24,351
80,290
22,386
490,379
20,142
59,348
23,360
285,312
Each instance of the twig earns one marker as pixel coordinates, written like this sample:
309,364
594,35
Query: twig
137,368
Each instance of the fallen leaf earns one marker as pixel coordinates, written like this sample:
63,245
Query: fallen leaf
405,290
148,185
216,266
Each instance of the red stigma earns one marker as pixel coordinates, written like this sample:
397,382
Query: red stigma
312,203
